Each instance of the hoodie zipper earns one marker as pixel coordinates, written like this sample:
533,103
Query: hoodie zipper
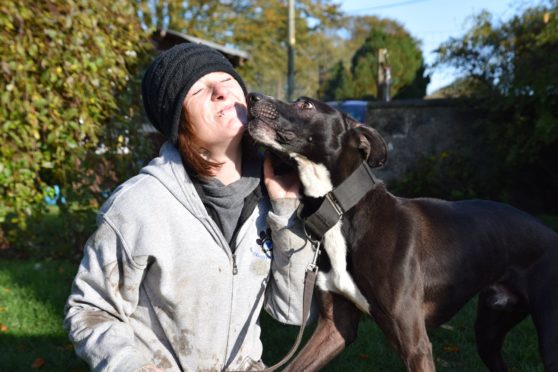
235,268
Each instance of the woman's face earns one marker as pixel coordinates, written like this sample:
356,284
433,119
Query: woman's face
216,108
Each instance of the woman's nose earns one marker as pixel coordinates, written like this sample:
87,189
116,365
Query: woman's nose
220,91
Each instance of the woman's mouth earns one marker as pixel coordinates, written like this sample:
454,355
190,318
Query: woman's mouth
225,109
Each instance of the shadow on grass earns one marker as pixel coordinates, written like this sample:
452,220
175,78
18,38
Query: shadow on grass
33,295
46,282
29,353
453,346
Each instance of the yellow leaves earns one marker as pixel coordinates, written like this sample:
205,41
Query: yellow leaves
546,17
44,82
451,349
66,347
38,363
3,328
32,120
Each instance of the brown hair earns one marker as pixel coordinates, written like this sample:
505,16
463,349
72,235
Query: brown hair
191,150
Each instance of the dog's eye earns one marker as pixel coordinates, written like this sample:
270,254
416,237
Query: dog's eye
306,105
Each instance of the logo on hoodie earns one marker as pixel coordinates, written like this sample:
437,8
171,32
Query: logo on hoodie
265,245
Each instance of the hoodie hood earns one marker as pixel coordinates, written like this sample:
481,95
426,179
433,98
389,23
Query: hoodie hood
167,168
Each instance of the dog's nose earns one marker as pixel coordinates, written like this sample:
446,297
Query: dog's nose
254,97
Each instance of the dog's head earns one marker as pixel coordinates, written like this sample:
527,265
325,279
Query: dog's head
315,135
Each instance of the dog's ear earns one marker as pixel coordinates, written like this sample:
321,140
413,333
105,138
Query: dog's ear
372,146
370,143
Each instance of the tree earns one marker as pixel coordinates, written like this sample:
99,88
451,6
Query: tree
514,68
267,69
258,27
359,49
405,58
209,19
65,91
515,65
417,87
339,86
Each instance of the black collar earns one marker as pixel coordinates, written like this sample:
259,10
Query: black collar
339,201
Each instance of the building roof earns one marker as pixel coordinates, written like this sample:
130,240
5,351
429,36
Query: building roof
166,39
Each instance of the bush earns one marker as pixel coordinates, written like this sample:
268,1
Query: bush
69,109
511,68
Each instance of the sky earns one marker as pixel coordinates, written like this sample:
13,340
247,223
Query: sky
435,21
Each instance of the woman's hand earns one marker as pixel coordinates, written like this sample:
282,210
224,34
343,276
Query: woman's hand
280,186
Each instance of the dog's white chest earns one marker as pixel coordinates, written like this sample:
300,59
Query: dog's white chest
338,278
317,182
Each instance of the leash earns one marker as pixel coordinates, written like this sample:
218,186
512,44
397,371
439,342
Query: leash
335,204
309,282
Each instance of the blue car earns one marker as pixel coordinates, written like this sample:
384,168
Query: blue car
354,108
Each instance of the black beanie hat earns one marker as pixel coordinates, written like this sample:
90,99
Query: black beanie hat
169,77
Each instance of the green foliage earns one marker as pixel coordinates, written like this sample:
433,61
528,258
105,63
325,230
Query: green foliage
448,175
465,87
417,87
514,68
339,86
262,31
67,91
404,58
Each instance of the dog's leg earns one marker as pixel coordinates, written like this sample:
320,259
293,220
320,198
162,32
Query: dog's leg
492,325
543,302
337,327
413,342
403,322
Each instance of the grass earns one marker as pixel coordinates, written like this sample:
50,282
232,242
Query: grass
453,346
32,297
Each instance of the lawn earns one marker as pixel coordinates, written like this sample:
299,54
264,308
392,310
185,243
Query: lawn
32,296
453,345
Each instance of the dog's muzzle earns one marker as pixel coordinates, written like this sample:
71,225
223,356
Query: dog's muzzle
261,109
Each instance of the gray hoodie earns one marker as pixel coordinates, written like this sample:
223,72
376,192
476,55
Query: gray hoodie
157,283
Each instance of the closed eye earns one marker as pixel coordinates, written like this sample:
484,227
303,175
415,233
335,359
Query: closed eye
197,91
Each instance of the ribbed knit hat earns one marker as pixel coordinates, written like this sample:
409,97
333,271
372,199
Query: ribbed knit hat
169,77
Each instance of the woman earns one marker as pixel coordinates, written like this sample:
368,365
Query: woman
180,266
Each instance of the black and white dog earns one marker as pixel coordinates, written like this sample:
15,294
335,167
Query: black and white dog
410,263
